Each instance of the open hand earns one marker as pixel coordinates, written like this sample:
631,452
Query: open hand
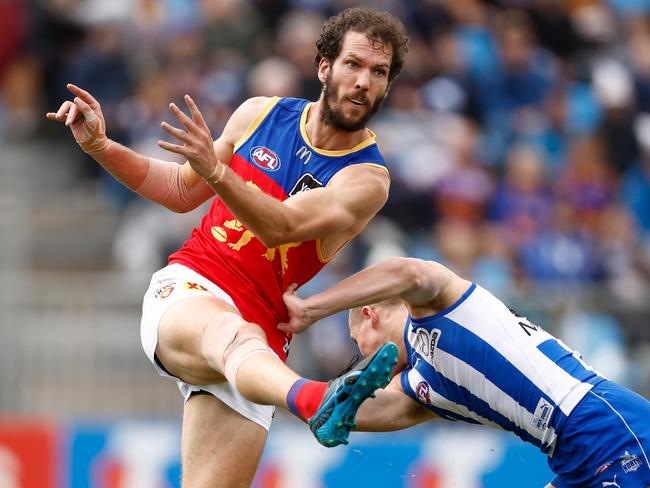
298,317
197,141
84,117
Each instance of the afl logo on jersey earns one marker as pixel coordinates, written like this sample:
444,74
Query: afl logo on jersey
265,158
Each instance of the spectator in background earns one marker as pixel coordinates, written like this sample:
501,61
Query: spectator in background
14,32
635,185
464,190
297,33
414,140
512,93
587,183
620,254
273,76
554,28
614,89
19,99
451,89
563,253
232,25
522,204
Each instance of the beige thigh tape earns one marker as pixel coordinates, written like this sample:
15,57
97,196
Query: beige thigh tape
226,350
244,346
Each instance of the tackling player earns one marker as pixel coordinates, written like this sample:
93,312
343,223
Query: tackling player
295,181
464,356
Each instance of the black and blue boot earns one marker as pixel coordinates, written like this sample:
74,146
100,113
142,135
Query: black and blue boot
334,419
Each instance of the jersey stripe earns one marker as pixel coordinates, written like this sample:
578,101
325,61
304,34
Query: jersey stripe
410,381
505,335
256,123
467,347
566,359
479,361
483,397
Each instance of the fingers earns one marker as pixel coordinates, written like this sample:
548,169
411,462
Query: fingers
184,119
63,110
86,110
197,116
290,328
167,146
61,114
72,115
84,95
291,289
179,134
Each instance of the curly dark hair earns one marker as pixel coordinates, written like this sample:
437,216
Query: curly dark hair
377,25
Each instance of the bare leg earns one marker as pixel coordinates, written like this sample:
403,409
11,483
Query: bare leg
187,337
190,339
271,386
184,330
220,448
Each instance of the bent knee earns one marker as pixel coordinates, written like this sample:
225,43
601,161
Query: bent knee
249,328
227,347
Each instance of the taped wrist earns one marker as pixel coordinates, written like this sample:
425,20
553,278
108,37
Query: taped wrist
95,139
164,184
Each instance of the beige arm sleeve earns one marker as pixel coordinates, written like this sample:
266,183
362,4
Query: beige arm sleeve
164,184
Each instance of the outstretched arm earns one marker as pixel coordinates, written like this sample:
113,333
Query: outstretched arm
175,186
416,281
392,409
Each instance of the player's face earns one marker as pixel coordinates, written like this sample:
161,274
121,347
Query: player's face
356,84
368,338
379,326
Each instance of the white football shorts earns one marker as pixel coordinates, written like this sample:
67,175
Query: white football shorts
168,286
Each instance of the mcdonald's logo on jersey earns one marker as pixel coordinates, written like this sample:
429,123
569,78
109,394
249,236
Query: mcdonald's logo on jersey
304,154
265,158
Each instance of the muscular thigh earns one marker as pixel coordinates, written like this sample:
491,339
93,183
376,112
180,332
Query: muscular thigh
180,335
220,448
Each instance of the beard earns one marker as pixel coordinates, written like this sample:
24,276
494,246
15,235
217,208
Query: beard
334,117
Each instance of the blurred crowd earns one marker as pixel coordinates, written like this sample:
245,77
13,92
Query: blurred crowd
518,134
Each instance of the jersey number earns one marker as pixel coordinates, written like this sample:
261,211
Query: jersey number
526,325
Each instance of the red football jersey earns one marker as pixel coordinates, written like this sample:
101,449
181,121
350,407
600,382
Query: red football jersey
276,157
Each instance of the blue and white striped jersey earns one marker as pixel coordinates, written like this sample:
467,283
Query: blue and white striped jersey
478,362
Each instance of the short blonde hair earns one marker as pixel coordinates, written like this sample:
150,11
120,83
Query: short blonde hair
356,314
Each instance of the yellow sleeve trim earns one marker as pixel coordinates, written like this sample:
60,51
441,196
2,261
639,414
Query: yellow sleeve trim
255,124
319,251
376,166
303,131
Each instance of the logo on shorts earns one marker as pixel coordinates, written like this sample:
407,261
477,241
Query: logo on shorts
611,483
265,158
422,392
165,291
194,286
542,414
630,462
